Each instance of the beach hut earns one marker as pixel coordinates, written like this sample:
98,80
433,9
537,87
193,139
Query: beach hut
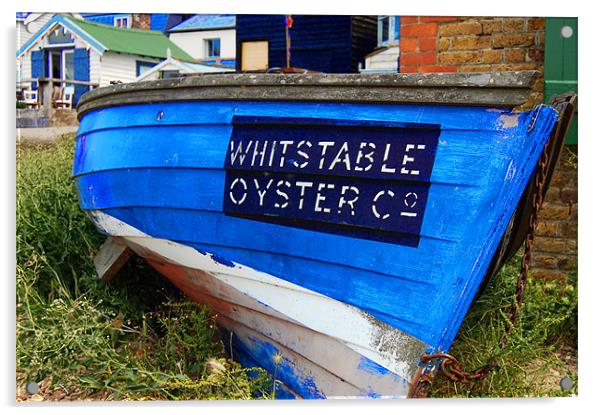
208,37
70,49
385,58
332,44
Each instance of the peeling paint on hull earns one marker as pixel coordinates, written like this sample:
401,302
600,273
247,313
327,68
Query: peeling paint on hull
317,362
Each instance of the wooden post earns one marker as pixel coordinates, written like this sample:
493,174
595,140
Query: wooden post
288,48
111,256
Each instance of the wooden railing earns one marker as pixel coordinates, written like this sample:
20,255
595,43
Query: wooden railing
45,87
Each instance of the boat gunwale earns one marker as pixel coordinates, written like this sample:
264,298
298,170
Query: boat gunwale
496,89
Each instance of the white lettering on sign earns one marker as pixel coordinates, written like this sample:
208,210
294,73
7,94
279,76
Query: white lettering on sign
302,185
320,197
409,159
302,154
285,144
361,155
326,198
378,196
338,159
324,145
244,196
329,156
262,193
238,154
349,202
282,194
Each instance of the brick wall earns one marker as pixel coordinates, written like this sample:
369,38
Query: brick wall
555,243
489,44
141,21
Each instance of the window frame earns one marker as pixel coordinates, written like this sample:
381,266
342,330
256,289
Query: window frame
392,30
143,64
127,20
209,47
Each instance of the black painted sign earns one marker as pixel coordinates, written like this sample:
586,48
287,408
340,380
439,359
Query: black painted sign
358,178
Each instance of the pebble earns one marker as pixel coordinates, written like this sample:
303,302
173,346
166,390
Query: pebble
32,387
566,383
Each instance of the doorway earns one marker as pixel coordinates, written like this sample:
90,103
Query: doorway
61,64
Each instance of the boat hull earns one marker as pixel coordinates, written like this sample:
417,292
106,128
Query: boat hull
282,327
312,217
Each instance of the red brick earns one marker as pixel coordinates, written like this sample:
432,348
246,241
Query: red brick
419,30
574,209
552,245
429,19
536,23
409,19
569,195
408,69
490,26
567,230
493,56
513,25
438,68
544,261
546,229
549,275
562,178
444,43
566,263
535,54
471,42
571,245
515,55
461,57
504,40
426,58
552,194
408,44
474,68
514,67
461,28
554,212
427,44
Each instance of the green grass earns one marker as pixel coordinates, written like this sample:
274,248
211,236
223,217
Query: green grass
539,351
135,338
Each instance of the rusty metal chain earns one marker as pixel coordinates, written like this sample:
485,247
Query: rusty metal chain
449,366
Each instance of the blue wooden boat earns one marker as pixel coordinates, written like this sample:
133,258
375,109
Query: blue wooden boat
339,225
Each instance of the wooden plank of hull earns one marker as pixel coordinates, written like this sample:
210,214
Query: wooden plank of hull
326,352
111,256
306,378
483,160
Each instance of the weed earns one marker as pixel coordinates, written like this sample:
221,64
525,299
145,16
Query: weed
533,360
79,339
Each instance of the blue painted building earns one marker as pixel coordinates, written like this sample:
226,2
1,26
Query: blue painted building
211,38
332,44
158,21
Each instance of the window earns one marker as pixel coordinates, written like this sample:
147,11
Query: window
388,29
60,37
68,65
254,56
170,74
122,21
212,47
142,67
